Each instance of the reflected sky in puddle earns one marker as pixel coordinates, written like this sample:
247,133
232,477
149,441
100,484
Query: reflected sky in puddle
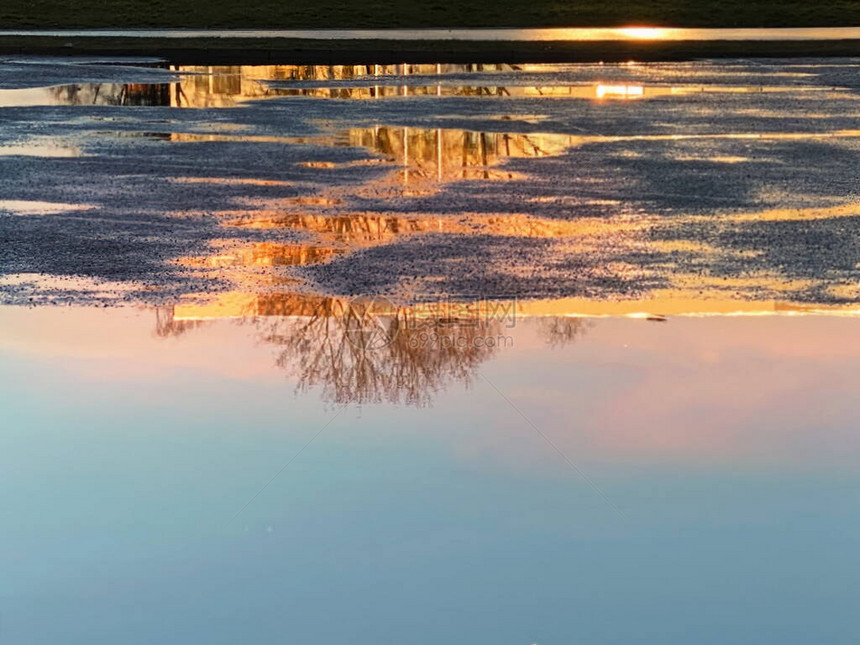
22,207
590,468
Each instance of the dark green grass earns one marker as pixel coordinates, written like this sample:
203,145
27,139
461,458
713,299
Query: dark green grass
425,13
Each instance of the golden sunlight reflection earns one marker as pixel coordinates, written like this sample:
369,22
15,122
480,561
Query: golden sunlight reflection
270,229
444,154
264,254
620,91
229,86
422,161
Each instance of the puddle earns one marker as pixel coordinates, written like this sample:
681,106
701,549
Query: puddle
37,148
24,207
265,255
229,86
596,354
479,444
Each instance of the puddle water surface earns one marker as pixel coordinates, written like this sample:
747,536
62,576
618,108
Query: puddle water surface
560,353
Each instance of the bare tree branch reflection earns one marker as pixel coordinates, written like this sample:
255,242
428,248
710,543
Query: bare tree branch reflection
388,356
365,351
167,326
559,331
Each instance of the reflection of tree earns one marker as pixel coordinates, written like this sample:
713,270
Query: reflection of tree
362,356
226,85
167,326
367,351
266,254
114,94
559,331
448,154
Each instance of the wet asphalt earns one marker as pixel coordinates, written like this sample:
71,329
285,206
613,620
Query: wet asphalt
745,174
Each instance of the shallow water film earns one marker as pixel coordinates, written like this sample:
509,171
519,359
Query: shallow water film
520,354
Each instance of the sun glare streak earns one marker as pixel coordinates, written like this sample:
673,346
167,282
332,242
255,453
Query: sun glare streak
643,33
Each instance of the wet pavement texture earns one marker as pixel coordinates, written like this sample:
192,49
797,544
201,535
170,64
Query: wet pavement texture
136,181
